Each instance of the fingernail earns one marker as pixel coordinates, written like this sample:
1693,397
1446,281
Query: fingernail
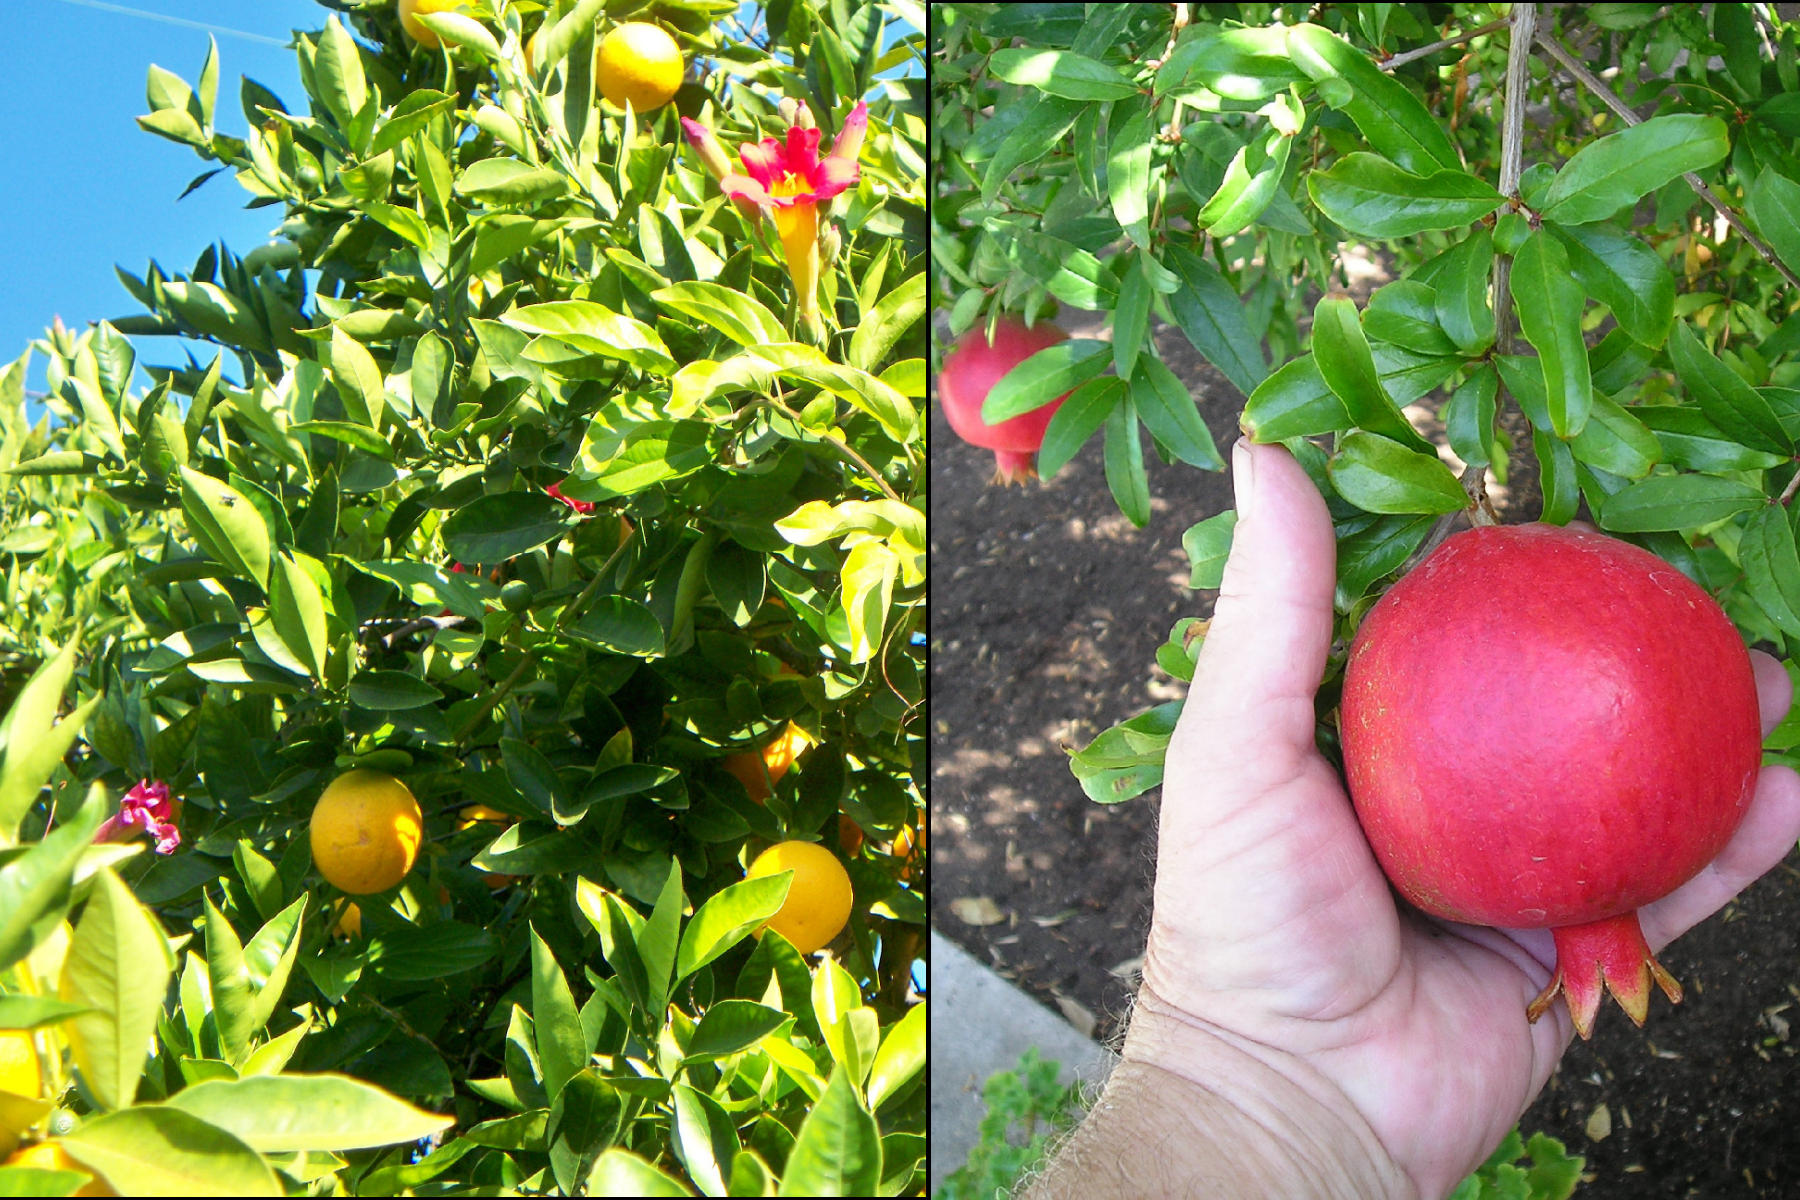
1243,476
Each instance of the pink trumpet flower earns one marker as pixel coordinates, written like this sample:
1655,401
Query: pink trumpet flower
146,808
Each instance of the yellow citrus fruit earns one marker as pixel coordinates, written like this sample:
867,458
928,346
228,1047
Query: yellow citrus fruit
409,19
349,922
365,832
904,848
638,62
818,901
50,1156
777,757
20,1071
533,47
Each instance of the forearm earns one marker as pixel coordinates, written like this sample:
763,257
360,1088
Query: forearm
1224,1125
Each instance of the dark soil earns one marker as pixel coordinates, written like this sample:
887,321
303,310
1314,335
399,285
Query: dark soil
1046,611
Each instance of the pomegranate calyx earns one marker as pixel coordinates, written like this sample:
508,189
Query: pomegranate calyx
1600,957
1015,466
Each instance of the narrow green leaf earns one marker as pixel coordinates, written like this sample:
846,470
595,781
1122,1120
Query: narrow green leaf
1549,304
1468,416
1616,441
297,608
1462,292
1677,502
1621,168
358,379
1240,64
1212,317
1208,545
1168,411
1077,420
1128,173
338,73
1369,195
1624,274
227,526
1772,566
1728,402
1043,127
1693,443
1396,122
1131,319
1774,204
1404,314
1061,73
1378,474
1293,402
1557,478
1044,376
1348,368
1125,464
838,1149
1250,183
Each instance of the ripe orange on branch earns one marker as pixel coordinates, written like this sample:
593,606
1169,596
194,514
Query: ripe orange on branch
776,758
818,901
415,29
365,832
640,63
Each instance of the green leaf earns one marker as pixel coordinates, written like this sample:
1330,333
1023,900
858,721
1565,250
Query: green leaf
281,1114
1208,545
1369,195
1676,502
741,318
622,1173
1212,317
1044,376
297,608
883,325
1047,119
1772,566
838,1149
338,73
509,181
1348,368
1077,420
1250,183
1169,412
594,329
1693,443
1624,274
1621,168
227,526
902,1055
1396,123
730,1026
1558,479
1404,314
1462,292
1378,474
1614,440
1549,304
1131,319
1293,402
620,625
118,966
358,379
1240,64
1728,402
1128,173
456,29
391,691
727,918
1468,416
494,528
360,436
1774,205
1125,464
1061,73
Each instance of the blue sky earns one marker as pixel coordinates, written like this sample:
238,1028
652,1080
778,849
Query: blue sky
88,189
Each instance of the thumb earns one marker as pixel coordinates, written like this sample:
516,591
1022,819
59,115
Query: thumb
1266,648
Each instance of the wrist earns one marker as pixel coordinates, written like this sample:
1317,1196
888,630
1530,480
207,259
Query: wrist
1190,1110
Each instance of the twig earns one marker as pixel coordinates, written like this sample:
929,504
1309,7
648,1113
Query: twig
1793,485
1607,97
1400,60
842,449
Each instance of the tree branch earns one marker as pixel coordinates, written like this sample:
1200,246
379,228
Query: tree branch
1400,60
1609,98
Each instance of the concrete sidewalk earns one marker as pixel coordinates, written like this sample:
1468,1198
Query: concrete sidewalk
981,1024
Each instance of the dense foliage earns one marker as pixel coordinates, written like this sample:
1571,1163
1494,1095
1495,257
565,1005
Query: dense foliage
524,470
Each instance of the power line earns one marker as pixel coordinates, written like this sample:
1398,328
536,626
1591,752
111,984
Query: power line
122,10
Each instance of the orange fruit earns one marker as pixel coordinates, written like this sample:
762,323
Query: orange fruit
49,1155
639,63
905,849
775,758
850,834
818,901
409,19
365,832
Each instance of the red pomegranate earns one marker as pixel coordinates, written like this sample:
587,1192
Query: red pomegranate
971,370
1545,727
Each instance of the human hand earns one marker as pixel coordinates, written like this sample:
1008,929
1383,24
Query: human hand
1276,939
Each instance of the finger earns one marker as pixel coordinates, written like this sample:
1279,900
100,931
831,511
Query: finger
1769,830
1774,690
1265,650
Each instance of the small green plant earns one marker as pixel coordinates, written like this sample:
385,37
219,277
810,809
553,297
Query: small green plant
1030,1099
1550,1174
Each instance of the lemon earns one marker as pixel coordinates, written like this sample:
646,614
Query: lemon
50,1156
638,62
409,19
365,832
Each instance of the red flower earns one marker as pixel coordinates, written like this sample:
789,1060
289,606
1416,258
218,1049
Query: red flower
146,808
584,507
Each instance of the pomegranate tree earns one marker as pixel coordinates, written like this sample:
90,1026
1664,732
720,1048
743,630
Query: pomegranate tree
972,368
1545,727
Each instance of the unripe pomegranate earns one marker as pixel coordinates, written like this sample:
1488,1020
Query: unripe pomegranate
1545,727
971,370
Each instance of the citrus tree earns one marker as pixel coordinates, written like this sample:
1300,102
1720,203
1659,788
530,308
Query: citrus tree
1584,221
461,723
